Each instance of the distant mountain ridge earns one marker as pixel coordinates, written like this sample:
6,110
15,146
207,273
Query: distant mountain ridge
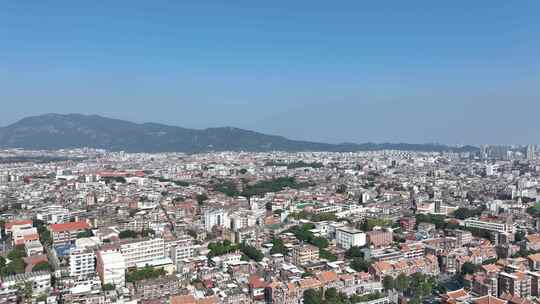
62,131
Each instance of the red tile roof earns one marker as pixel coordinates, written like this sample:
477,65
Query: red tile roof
71,226
187,299
17,223
488,300
256,282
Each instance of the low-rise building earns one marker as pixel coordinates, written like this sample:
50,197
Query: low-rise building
304,253
67,232
162,287
380,238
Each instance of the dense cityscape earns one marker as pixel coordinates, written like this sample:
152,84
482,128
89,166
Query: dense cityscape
372,227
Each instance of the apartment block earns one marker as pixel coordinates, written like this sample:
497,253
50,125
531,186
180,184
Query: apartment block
82,263
348,237
304,253
67,232
141,251
111,267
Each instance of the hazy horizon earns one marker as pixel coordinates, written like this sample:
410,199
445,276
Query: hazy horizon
423,72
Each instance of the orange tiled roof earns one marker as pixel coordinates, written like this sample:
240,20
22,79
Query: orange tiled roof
489,300
382,266
346,277
327,276
460,293
10,225
534,257
208,300
256,281
309,283
533,238
71,226
491,268
188,299
513,299
31,261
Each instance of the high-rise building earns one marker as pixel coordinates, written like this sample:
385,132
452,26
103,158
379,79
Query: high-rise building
185,248
111,268
215,217
531,152
82,263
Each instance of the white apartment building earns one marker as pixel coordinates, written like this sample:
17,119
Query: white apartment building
140,251
82,263
227,259
111,268
33,248
215,217
40,280
23,235
54,214
491,224
184,249
241,220
327,209
4,178
348,237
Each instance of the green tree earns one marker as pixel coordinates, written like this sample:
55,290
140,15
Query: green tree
24,290
312,296
16,266
16,253
402,282
46,238
319,242
425,288
360,265
251,252
127,234
331,296
534,210
144,273
354,252
108,287
463,213
468,268
388,283
519,236
41,266
325,254
278,246
415,300
201,198
148,232
85,234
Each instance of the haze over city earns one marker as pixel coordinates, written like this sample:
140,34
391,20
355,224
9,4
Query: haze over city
455,72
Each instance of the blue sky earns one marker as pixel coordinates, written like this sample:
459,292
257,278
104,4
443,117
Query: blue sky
457,72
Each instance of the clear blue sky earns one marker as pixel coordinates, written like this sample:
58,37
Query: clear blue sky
334,71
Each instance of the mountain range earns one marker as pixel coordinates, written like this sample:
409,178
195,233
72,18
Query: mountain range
61,131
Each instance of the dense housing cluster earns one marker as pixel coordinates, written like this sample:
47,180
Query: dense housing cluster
92,226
